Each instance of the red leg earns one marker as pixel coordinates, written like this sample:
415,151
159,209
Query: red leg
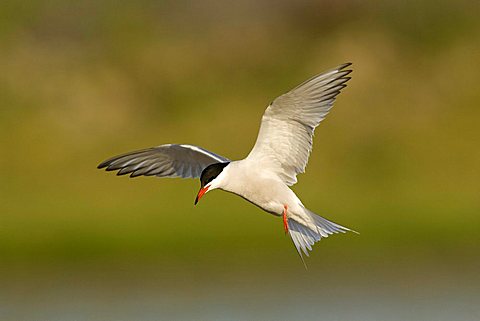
285,219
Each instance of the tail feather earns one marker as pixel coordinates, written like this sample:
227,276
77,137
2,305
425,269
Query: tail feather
305,237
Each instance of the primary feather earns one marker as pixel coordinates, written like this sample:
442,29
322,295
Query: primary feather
170,160
285,138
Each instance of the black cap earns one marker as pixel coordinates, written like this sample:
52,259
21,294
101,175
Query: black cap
211,172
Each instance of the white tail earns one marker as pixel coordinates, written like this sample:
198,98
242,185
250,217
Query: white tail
304,237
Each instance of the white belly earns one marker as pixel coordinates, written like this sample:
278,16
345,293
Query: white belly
267,192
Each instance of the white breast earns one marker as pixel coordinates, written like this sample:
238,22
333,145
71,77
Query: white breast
257,186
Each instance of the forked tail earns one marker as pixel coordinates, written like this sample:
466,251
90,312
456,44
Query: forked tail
304,237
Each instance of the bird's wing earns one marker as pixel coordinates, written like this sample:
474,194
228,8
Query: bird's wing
285,138
171,160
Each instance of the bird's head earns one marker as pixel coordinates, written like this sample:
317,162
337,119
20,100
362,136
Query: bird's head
209,179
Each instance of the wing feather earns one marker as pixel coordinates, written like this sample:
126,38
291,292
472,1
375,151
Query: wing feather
285,138
169,160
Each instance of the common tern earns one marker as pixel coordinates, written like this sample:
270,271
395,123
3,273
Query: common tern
263,178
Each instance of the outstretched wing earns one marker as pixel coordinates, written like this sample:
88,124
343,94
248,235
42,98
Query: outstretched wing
171,160
285,139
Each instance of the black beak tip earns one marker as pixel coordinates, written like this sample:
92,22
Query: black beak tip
196,200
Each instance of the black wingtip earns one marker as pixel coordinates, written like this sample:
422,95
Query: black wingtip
342,67
104,164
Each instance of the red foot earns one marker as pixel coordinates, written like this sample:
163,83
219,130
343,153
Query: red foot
285,219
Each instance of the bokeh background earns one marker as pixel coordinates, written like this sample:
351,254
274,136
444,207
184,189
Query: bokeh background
398,159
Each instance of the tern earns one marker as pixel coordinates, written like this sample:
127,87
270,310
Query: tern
264,177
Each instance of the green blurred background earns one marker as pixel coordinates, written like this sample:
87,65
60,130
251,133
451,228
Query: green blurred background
397,160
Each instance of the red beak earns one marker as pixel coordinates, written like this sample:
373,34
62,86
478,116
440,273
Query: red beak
202,191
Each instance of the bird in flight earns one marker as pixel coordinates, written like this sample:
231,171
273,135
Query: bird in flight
263,178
